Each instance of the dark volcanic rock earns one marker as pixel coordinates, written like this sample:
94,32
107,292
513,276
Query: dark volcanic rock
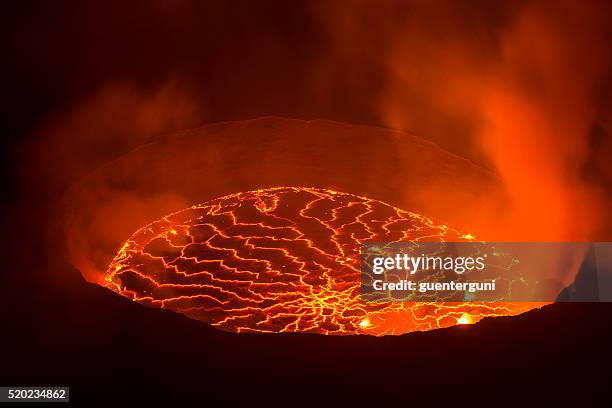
110,349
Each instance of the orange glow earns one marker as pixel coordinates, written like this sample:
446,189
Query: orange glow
520,98
282,260
465,319
365,323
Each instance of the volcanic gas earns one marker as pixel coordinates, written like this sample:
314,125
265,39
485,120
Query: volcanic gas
281,260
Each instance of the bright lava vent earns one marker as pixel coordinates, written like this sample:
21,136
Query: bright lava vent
281,260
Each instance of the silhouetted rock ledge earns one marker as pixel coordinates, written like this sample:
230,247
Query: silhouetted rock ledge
109,348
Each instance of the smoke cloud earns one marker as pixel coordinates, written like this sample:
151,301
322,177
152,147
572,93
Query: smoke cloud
514,86
71,145
117,118
518,87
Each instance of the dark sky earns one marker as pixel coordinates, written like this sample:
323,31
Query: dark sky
242,58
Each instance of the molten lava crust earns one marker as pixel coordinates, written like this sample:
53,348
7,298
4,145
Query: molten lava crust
281,260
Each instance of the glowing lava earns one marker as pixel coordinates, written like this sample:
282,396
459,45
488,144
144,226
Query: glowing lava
465,319
281,260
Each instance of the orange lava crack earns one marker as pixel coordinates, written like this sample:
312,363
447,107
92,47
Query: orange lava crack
282,260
